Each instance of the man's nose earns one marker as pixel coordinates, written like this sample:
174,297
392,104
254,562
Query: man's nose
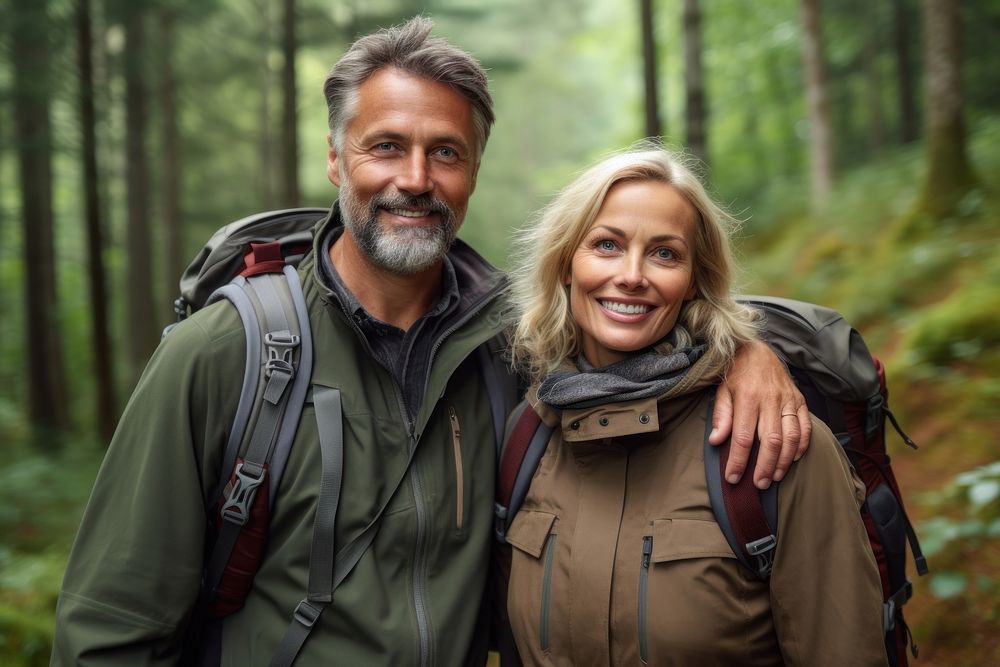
414,176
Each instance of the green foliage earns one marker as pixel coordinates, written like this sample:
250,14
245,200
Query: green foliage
962,542
41,499
29,587
961,328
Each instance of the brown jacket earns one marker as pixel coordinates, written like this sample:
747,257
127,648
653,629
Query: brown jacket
618,560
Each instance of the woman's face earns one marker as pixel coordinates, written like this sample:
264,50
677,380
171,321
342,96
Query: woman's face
633,271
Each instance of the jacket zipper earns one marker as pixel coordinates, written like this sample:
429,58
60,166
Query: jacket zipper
647,551
456,442
543,631
419,584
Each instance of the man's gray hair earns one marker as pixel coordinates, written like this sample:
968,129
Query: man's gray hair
409,48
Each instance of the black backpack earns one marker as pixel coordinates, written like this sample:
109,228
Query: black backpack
844,385
251,263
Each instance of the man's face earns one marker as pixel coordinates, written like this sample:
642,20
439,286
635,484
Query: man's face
406,169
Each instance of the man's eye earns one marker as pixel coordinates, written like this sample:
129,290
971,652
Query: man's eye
385,146
446,152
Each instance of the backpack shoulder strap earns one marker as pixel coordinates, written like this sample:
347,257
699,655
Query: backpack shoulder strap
747,516
276,381
501,382
525,444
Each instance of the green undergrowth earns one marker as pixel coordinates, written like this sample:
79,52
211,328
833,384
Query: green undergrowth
925,293
42,494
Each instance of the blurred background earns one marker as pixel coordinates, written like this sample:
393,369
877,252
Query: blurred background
859,142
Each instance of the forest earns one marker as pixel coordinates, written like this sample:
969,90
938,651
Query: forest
857,141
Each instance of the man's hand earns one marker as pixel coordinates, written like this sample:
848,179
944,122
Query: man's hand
758,395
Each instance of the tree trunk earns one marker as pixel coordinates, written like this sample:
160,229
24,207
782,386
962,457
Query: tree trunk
174,260
949,175
694,83
105,408
909,122
289,121
652,105
266,166
873,77
30,51
820,133
141,311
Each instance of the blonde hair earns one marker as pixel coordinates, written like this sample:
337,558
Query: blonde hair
544,332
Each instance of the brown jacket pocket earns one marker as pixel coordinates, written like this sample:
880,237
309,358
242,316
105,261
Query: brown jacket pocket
678,539
529,531
529,596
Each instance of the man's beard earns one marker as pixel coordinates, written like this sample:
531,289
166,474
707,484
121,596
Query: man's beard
401,249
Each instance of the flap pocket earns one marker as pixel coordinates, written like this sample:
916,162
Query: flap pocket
529,531
677,539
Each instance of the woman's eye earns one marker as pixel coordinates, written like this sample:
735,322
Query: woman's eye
607,246
665,253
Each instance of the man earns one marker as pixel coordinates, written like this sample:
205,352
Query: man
397,307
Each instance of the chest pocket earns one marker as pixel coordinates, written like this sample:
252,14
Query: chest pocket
533,536
676,553
679,539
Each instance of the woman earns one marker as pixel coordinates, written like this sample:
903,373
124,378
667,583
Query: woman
626,321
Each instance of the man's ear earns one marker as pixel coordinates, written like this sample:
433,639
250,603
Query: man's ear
332,162
475,175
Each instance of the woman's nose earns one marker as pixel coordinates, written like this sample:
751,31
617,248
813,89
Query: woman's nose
631,275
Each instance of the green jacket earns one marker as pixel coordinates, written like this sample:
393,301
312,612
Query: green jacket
413,598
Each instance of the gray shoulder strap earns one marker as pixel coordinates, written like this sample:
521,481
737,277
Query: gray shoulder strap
276,379
329,424
501,384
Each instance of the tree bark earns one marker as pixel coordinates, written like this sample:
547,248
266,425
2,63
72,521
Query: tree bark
174,260
652,103
30,51
694,82
873,77
909,121
949,175
266,141
141,311
820,132
289,121
103,373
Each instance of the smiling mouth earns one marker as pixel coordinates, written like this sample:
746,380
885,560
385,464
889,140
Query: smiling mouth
406,213
625,308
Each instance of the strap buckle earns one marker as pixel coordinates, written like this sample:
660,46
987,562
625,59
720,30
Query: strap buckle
236,509
307,614
500,522
280,345
762,551
895,601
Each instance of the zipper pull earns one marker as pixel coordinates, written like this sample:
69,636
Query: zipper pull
647,550
456,430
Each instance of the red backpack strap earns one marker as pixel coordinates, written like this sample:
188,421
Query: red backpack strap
525,444
525,422
746,515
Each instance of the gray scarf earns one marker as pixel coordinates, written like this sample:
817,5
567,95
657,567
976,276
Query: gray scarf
644,375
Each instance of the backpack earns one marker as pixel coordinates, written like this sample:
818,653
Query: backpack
845,386
252,264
